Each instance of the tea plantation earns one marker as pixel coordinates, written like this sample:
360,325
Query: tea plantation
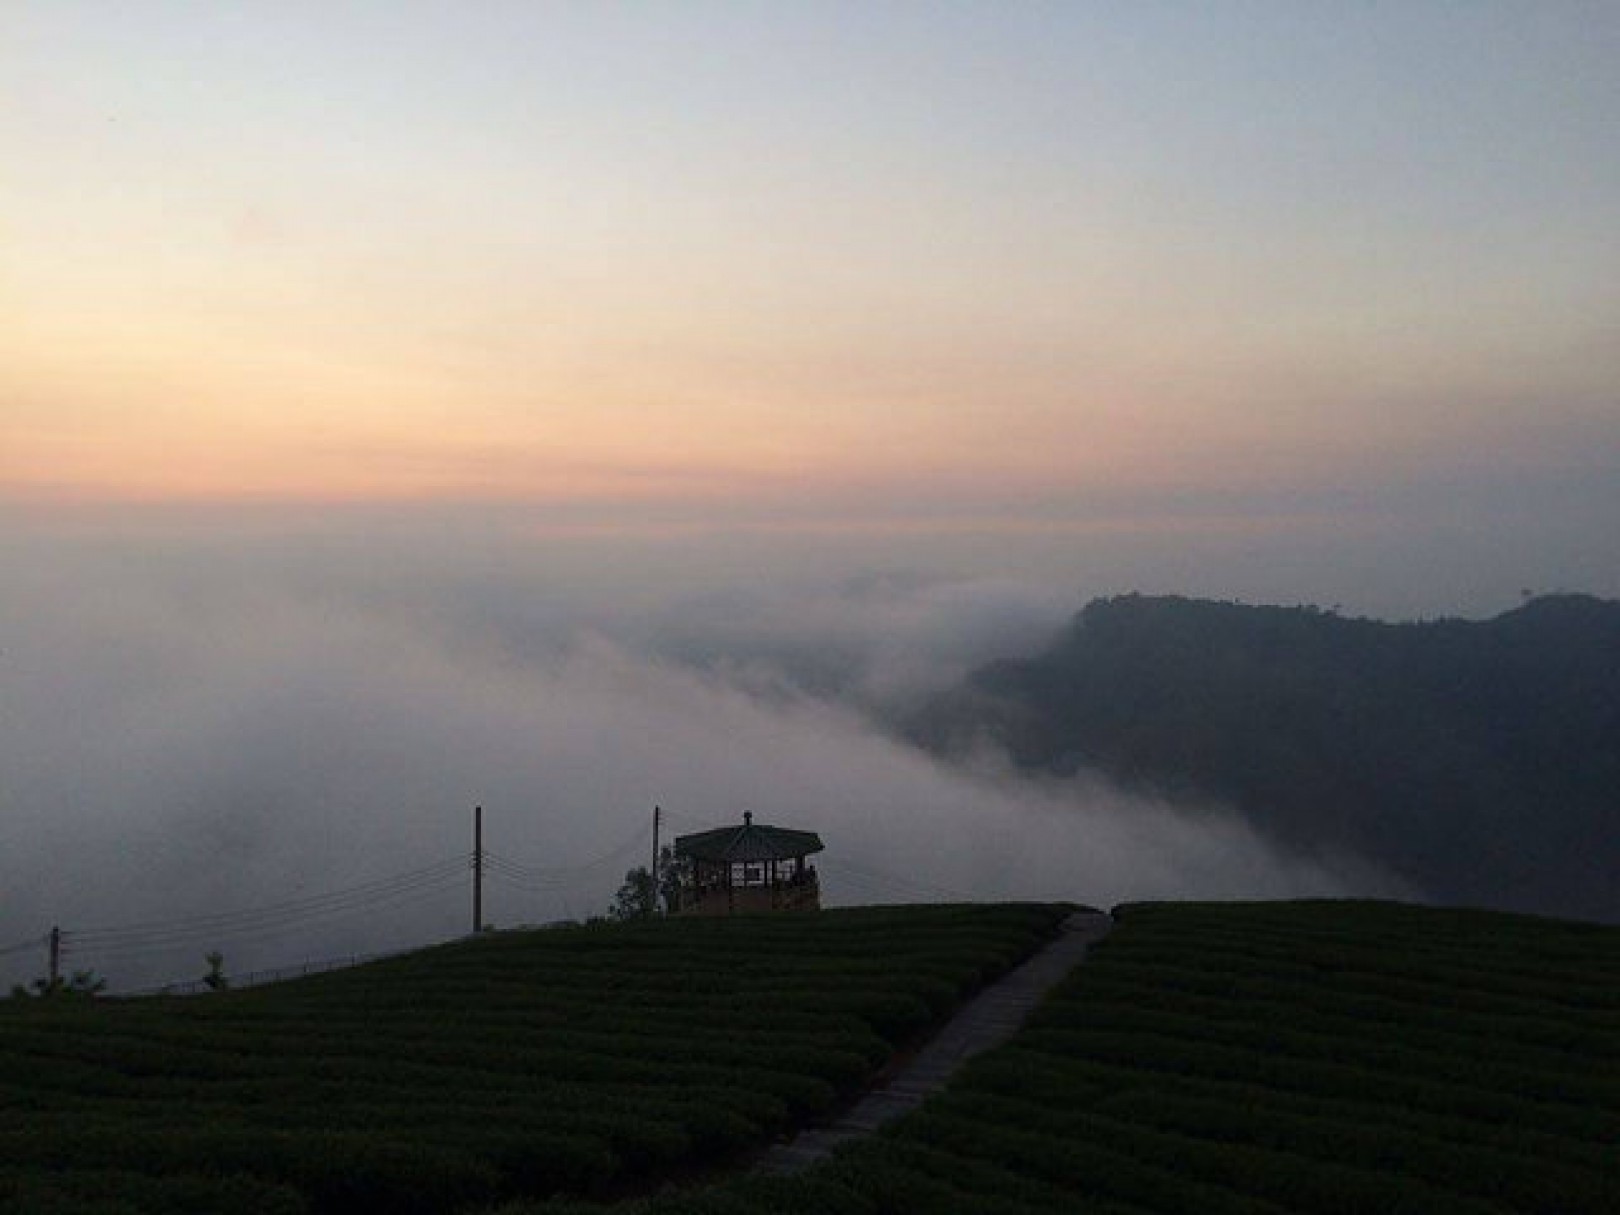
578,1061
1310,1057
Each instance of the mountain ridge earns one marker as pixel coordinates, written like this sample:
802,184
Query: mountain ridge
1477,760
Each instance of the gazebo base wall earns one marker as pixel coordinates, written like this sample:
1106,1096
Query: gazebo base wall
755,900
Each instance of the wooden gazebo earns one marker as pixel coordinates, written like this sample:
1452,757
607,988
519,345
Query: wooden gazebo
738,870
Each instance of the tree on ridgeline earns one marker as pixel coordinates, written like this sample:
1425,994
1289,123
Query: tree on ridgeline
635,899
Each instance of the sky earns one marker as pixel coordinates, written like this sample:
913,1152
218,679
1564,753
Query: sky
836,265
386,382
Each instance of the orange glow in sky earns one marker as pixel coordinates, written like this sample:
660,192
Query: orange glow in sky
712,260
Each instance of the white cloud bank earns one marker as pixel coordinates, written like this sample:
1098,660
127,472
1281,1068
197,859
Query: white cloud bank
188,740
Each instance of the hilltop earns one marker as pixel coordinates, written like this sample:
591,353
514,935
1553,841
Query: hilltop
1331,1057
1477,760
1262,1058
580,1060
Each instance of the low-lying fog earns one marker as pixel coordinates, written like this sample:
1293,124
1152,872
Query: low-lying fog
198,727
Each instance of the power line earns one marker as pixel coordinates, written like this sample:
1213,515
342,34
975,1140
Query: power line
38,942
558,879
274,917
249,935
251,924
286,906
560,872
498,868
70,945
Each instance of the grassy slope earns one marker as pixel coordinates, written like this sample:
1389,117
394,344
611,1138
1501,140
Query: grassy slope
1312,1057
524,1063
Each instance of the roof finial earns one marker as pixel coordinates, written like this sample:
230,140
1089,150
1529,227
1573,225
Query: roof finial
748,818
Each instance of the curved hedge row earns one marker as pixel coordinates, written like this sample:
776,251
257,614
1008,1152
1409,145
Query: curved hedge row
515,1064
1288,1057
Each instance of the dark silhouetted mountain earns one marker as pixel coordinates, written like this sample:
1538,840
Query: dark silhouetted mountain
1480,760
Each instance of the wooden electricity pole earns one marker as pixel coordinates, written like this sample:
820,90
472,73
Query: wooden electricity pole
478,869
653,910
56,958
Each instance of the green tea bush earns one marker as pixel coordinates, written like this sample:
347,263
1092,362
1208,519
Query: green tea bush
513,1064
98,1190
1308,1057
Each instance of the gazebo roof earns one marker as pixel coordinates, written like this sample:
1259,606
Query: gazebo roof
750,842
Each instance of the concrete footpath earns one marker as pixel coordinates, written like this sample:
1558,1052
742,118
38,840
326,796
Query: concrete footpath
987,1020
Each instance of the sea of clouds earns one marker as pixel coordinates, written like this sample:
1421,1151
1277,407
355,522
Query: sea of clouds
197,724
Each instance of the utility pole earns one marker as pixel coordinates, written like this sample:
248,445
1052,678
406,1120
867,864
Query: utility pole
654,909
478,869
56,957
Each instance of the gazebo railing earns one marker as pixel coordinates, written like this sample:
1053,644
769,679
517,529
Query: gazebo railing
798,891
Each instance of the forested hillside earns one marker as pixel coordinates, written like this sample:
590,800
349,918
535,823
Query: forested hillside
1480,761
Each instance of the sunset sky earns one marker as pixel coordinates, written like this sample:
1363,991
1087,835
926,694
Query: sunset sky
826,265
